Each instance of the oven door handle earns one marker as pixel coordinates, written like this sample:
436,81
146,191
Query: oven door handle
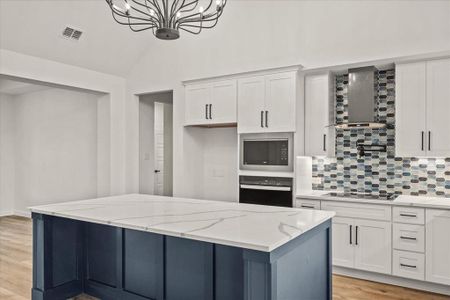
265,187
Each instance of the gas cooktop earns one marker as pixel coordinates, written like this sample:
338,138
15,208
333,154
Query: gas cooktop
362,196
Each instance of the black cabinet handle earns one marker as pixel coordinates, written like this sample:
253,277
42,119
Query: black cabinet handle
307,206
408,266
408,215
324,142
423,134
429,140
351,242
356,236
206,111
210,111
408,238
262,117
267,118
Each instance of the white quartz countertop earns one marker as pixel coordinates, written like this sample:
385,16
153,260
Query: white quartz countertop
401,200
257,227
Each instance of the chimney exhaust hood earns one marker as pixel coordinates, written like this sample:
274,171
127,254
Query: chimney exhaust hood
362,92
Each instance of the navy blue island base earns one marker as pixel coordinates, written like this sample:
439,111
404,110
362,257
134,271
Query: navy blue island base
72,257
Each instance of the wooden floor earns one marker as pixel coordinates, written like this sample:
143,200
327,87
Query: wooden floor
16,265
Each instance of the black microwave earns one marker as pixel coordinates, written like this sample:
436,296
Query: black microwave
266,152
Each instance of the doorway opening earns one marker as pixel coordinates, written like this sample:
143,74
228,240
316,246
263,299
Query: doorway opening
155,143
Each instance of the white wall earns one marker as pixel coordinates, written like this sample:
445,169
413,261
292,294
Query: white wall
7,155
34,68
253,35
55,142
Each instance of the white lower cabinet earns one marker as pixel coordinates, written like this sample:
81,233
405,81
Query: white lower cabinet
342,242
362,244
408,264
438,246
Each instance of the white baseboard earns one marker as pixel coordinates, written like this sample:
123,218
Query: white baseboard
22,213
6,213
394,280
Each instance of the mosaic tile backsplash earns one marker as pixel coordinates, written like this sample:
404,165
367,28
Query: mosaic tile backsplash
378,172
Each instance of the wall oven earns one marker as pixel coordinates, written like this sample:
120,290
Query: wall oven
266,152
275,191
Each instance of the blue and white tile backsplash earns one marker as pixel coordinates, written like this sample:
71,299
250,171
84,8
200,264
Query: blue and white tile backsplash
379,172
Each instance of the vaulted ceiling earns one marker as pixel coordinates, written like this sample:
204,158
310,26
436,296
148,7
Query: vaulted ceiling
34,27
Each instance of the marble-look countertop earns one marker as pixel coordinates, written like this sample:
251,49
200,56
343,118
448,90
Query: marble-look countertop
257,227
401,200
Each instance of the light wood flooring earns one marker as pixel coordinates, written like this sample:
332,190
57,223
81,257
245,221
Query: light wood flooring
16,266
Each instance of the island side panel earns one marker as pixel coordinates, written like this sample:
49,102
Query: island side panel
57,257
300,269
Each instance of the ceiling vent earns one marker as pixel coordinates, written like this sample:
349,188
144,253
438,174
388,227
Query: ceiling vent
72,33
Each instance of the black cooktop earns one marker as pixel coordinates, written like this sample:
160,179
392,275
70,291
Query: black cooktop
362,196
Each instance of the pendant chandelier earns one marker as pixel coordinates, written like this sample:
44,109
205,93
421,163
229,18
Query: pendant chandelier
166,18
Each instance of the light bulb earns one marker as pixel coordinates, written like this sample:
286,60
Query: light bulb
201,9
152,12
218,2
178,15
127,6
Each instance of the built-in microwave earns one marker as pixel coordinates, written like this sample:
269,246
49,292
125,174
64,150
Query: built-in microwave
266,152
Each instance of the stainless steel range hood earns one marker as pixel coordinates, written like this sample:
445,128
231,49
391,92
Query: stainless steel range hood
362,92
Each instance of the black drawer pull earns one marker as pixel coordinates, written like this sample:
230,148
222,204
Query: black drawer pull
408,266
307,206
408,215
408,238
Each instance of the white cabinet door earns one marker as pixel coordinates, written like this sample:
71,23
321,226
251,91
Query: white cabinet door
343,242
279,115
223,109
438,107
373,246
319,137
410,107
198,98
438,246
251,107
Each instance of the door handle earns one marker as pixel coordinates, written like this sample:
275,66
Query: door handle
267,118
423,134
324,142
307,206
262,117
356,236
157,171
429,140
210,111
351,242
206,111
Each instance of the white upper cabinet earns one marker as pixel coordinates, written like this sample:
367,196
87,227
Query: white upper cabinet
319,115
422,108
438,107
198,98
410,105
251,104
211,104
280,102
438,246
267,103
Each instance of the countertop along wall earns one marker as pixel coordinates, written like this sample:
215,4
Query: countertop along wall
255,35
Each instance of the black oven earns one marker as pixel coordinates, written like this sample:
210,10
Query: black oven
266,152
275,191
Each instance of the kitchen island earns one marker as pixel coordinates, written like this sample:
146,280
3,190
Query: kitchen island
152,247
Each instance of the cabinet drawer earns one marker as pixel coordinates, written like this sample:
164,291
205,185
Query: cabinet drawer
409,264
306,203
410,215
409,237
358,210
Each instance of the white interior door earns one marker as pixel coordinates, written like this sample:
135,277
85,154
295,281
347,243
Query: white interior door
159,149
